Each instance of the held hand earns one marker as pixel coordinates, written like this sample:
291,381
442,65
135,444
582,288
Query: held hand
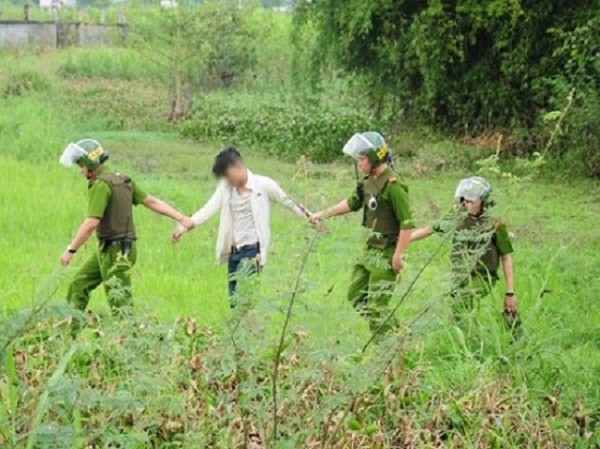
187,223
319,226
398,262
316,221
65,259
510,304
176,235
316,217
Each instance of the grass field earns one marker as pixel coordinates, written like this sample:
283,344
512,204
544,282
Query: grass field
549,378
556,240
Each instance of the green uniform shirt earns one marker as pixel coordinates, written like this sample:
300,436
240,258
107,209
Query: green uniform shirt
500,239
99,195
396,195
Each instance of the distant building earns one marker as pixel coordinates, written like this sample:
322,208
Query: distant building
49,4
168,3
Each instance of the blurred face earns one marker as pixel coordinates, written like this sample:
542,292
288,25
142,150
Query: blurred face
364,165
86,172
473,206
236,175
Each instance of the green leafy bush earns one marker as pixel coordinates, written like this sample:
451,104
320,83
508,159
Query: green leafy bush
463,65
577,147
117,104
281,124
23,82
470,67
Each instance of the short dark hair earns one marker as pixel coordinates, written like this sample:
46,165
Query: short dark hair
225,159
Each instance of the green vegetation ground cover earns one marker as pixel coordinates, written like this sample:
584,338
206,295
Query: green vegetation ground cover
157,380
557,250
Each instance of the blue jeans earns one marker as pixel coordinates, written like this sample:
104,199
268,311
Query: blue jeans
244,260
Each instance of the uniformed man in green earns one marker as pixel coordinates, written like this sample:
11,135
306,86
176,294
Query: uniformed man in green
480,244
111,197
383,198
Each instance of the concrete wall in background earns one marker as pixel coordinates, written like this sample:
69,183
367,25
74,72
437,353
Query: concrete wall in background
21,35
93,35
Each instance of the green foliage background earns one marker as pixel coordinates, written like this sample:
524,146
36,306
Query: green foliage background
282,124
470,66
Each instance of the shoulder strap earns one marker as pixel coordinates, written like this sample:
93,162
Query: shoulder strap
376,186
114,178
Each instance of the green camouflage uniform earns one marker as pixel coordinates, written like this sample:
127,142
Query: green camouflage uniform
111,198
373,279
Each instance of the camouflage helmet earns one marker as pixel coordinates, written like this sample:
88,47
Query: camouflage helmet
86,152
474,188
370,144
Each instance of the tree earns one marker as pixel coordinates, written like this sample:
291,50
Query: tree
459,64
190,43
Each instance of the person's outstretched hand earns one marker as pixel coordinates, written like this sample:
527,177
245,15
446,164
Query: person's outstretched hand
187,223
176,235
316,221
317,216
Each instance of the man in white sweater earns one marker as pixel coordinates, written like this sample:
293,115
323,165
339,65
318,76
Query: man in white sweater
244,199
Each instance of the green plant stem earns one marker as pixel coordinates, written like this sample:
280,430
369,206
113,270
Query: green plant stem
277,358
559,122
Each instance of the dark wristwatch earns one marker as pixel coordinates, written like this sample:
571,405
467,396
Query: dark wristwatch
510,294
71,250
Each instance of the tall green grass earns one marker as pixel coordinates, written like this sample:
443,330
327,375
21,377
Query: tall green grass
109,63
30,130
469,385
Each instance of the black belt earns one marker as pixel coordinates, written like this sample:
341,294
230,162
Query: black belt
125,244
239,249
106,243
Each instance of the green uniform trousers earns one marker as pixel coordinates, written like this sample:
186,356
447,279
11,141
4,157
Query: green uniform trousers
467,298
372,286
109,267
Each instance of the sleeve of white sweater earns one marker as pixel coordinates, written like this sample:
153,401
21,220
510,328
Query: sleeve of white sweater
212,206
276,193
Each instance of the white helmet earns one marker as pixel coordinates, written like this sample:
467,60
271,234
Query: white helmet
474,188
370,144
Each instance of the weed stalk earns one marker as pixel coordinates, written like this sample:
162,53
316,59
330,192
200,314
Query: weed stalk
288,315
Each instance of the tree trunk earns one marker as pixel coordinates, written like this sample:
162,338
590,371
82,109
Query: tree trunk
178,110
